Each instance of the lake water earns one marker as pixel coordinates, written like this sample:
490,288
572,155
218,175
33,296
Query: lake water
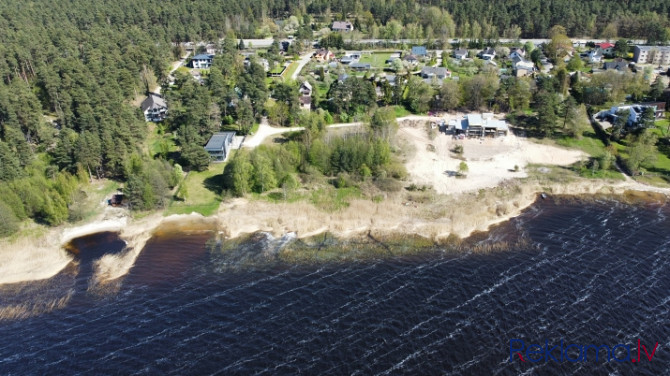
595,272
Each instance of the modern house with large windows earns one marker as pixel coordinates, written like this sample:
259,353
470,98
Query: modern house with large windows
219,146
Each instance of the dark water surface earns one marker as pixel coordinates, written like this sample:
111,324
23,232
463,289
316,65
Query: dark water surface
591,273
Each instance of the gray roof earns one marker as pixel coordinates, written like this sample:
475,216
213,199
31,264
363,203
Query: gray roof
360,66
153,101
461,52
437,71
342,25
218,140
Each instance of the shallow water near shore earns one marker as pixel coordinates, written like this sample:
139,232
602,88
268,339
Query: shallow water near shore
586,272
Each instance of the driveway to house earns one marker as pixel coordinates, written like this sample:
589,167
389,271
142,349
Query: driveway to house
304,59
173,68
264,131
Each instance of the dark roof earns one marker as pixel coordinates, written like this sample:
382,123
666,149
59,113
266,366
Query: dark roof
360,66
218,140
409,57
620,65
419,50
305,99
153,101
488,51
461,51
203,57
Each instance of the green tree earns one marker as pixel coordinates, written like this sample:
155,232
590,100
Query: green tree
450,95
418,95
237,175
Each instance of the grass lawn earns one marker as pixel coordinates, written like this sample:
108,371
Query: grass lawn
333,199
204,192
400,111
288,73
157,142
377,59
590,144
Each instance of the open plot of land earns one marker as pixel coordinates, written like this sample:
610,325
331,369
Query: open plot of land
490,160
203,192
377,59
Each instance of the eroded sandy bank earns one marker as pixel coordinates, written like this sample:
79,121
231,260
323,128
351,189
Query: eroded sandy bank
434,217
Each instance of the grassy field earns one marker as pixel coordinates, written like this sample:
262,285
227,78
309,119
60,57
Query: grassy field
377,60
158,142
204,192
290,70
400,111
590,144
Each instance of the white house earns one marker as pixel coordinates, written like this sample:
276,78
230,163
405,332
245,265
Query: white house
202,61
305,89
595,56
460,54
489,53
342,26
517,52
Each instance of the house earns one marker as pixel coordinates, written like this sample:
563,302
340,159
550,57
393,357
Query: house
435,72
354,54
479,125
202,61
323,55
489,53
606,48
360,66
410,59
219,146
346,60
343,77
618,65
262,61
460,54
595,56
419,51
342,26
211,49
516,52
305,102
154,108
635,111
522,67
652,55
305,89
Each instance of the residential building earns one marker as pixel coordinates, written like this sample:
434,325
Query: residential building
202,61
306,102
618,65
489,53
652,55
323,55
460,54
606,48
595,56
346,60
219,146
410,59
419,51
305,89
479,125
342,26
360,66
516,52
439,73
154,108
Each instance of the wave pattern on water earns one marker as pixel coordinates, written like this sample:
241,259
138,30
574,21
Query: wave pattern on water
591,273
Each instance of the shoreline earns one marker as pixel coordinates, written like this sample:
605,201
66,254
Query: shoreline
447,216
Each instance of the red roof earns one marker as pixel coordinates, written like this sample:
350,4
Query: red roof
604,45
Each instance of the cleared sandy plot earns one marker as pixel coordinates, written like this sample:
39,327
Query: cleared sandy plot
489,160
